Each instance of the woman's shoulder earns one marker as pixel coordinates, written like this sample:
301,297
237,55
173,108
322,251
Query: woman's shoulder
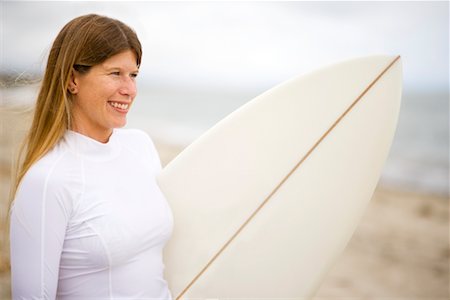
131,133
53,169
133,136
55,179
140,143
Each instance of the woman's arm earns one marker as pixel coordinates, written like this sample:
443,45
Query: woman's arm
38,223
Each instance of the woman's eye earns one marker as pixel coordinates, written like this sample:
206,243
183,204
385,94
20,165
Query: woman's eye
115,73
134,75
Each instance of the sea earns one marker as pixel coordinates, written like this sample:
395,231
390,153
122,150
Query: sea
418,160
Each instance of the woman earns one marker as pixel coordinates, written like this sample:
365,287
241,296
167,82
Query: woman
88,220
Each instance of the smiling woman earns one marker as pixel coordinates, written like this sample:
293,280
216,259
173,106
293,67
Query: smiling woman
87,217
103,96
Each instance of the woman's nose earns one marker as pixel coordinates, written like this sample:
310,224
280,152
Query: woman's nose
128,87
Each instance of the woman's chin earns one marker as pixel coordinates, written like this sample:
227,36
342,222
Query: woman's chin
119,123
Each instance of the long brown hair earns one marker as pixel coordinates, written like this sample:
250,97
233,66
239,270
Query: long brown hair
82,43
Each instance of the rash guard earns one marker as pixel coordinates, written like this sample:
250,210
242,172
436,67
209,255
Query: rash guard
89,222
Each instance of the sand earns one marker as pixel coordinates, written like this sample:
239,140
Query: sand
399,251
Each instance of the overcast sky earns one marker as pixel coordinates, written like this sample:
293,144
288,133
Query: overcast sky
243,44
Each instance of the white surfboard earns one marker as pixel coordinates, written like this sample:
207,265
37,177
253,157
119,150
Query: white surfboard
266,200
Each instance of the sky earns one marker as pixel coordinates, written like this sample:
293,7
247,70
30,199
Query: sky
239,45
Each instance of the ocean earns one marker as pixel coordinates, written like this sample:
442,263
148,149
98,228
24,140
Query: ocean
418,159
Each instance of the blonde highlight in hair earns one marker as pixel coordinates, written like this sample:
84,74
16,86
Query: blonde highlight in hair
82,43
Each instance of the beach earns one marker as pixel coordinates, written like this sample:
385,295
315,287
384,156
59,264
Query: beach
400,249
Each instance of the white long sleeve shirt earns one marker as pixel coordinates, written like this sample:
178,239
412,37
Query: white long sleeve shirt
89,222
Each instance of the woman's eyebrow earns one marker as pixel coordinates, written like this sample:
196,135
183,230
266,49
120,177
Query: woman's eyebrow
110,68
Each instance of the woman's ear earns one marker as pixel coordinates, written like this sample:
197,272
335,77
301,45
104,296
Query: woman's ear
73,86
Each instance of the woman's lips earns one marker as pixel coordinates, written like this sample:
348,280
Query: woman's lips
119,106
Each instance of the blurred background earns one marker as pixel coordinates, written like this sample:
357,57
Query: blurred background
203,60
